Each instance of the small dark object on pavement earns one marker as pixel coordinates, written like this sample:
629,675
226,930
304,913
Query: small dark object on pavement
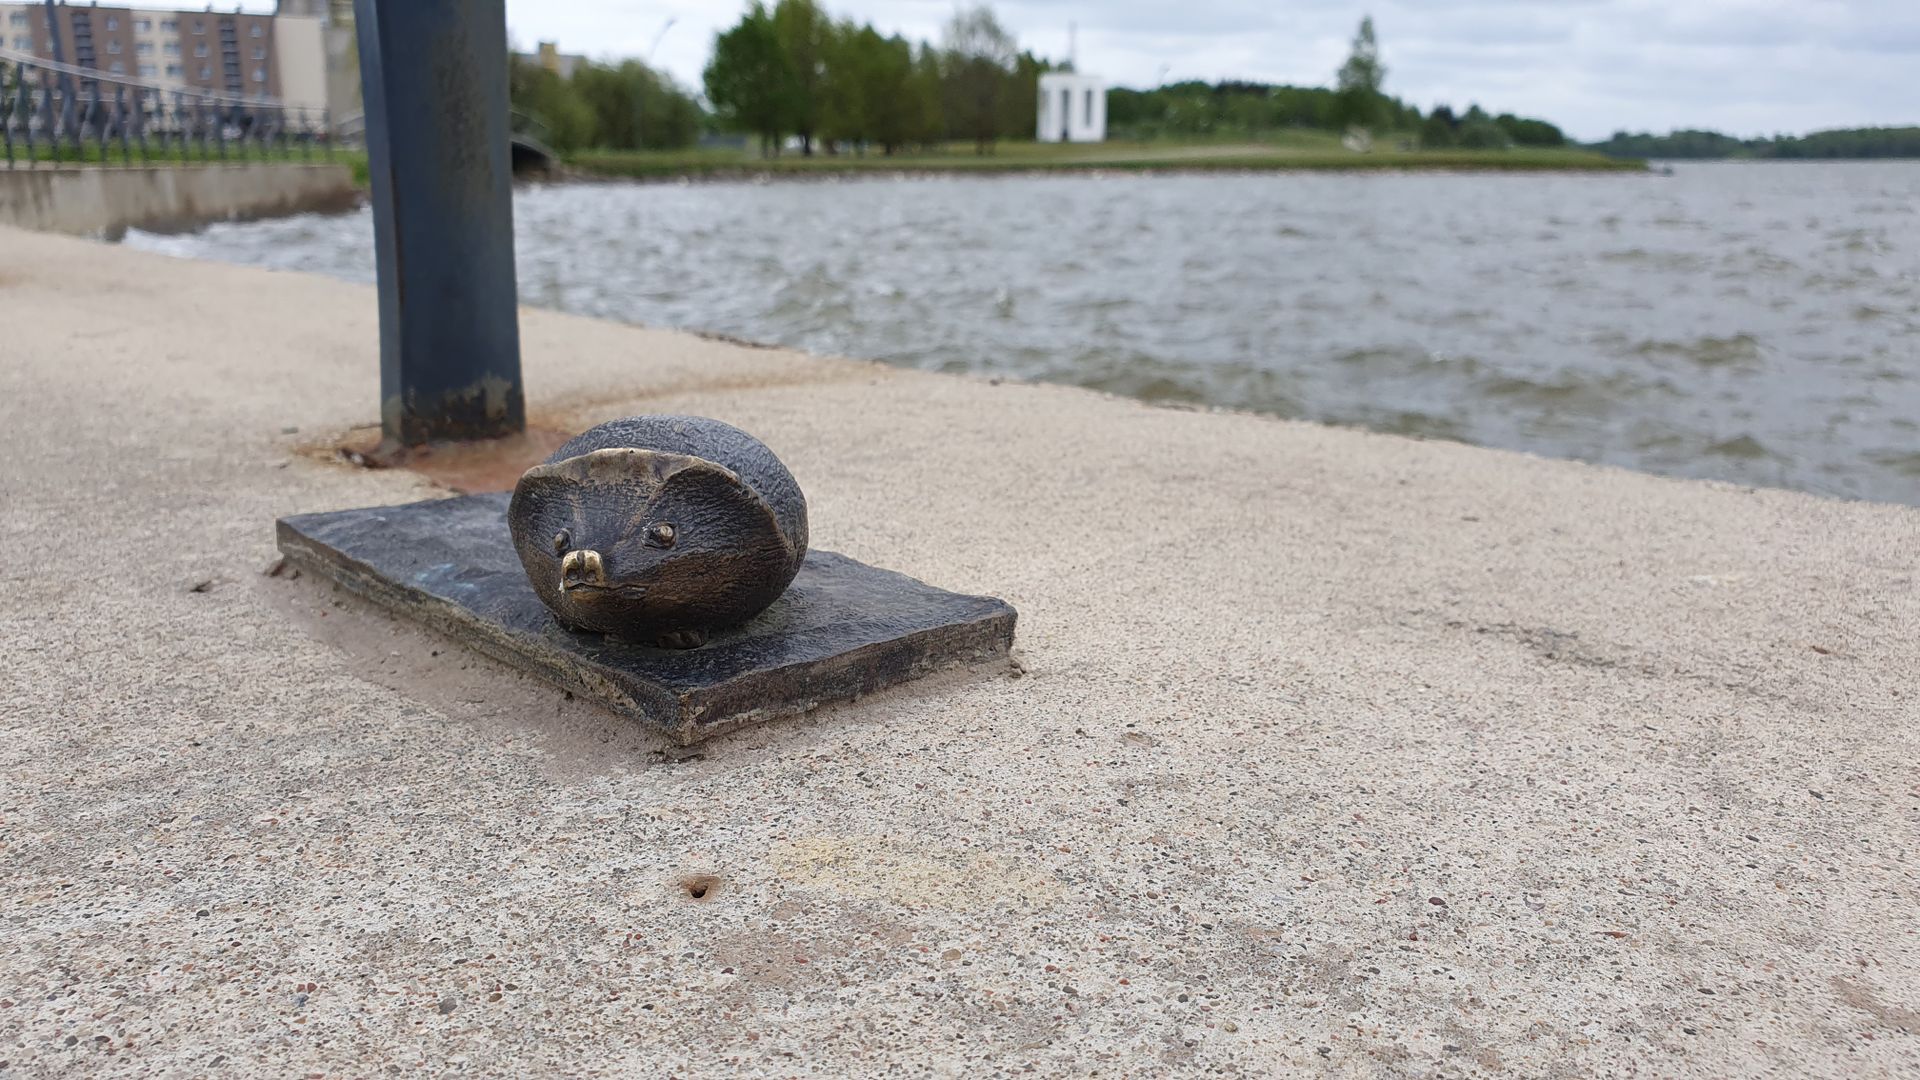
660,529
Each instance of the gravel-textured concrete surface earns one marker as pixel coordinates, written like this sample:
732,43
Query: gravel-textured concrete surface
1333,752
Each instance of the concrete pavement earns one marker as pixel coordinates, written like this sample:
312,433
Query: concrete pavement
1333,753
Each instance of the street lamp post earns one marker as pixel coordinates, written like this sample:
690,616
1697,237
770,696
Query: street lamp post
434,77
664,27
639,99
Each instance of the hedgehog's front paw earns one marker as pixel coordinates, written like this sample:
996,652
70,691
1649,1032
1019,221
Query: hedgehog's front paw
681,639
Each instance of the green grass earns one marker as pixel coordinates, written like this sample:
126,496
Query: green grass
90,154
1292,150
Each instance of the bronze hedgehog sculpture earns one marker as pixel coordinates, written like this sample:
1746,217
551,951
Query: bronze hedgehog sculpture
661,529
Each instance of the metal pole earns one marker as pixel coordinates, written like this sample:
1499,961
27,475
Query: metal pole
434,77
639,98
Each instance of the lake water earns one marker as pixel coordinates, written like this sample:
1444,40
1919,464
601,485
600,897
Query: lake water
1757,322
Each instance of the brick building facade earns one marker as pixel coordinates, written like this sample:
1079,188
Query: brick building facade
235,53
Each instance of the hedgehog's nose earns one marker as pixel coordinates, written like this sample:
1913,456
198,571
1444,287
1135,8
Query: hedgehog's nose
582,570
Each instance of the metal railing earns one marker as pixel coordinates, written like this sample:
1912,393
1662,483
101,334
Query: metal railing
60,113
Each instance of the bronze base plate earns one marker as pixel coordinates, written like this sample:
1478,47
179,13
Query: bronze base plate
843,629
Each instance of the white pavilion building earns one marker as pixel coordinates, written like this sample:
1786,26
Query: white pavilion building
1073,108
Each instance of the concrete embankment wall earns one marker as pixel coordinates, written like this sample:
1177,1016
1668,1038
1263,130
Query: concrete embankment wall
87,201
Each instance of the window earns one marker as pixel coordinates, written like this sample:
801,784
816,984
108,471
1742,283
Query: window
199,26
1088,111
200,48
118,68
256,29
143,26
169,26
173,71
144,48
18,18
112,23
259,52
113,48
171,48
148,71
206,72
24,44
259,74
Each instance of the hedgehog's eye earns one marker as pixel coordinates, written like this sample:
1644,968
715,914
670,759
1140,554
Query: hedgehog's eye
660,535
562,540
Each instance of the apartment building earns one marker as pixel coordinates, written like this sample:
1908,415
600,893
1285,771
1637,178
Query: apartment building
282,56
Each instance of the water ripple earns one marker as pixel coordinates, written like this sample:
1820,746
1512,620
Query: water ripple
1745,322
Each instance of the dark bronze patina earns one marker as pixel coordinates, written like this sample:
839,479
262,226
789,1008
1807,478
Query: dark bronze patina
841,631
661,529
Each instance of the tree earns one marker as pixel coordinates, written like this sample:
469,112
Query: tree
748,78
979,62
1020,93
856,78
1439,128
1359,102
549,99
1478,131
925,118
1252,109
805,37
1249,112
1525,132
635,107
875,93
1678,144
1843,143
1132,109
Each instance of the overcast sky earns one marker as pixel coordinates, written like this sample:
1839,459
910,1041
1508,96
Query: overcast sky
1746,67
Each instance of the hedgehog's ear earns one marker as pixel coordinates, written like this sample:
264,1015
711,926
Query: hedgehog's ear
685,471
547,483
541,496
705,482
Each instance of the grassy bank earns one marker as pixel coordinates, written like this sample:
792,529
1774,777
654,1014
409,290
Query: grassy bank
90,154
1297,151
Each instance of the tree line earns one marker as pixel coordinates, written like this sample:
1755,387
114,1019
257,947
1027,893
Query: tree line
792,70
1354,101
1884,142
1252,110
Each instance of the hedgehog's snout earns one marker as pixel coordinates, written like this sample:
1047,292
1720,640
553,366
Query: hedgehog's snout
582,570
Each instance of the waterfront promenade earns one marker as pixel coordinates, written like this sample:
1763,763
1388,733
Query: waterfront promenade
1330,751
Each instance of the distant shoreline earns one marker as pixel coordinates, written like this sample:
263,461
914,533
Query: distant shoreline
591,166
